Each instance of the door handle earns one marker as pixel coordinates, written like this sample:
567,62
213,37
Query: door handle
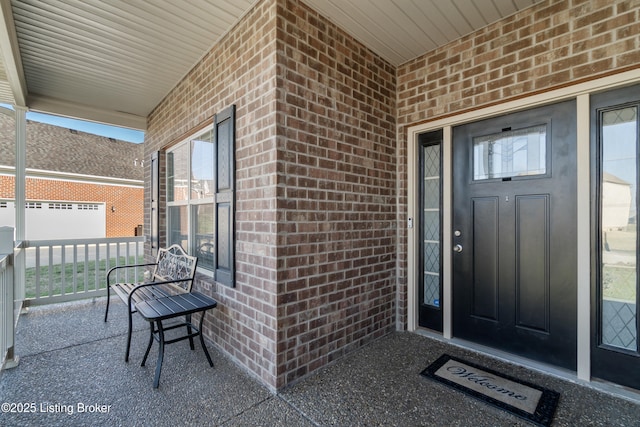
457,248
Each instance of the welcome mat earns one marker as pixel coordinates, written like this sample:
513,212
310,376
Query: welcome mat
526,400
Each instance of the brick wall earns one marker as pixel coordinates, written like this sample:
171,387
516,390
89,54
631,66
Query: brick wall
336,193
315,176
126,200
240,69
321,167
553,44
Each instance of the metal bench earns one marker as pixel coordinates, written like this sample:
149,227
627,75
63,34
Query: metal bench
173,274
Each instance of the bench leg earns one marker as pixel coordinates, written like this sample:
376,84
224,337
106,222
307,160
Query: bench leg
126,355
156,380
204,347
188,324
106,311
146,353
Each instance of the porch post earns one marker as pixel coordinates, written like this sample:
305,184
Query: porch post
17,291
20,201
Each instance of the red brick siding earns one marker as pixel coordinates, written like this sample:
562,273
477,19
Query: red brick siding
126,200
7,187
551,45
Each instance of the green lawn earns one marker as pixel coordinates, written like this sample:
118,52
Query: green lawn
619,283
51,282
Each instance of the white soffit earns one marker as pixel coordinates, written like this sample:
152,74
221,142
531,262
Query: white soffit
401,30
117,56
113,61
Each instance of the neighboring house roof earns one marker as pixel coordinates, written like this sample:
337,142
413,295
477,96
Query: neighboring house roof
53,148
607,177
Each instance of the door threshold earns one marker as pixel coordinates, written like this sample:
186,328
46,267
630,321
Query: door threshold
603,386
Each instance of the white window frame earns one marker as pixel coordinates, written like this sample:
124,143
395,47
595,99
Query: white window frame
189,202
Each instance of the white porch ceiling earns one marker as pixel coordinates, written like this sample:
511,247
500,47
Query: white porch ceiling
400,30
114,61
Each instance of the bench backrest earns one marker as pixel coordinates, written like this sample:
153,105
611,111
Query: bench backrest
173,263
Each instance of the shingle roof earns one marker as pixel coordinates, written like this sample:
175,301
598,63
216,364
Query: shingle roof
53,148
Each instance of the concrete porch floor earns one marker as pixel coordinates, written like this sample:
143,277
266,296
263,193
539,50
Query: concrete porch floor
69,358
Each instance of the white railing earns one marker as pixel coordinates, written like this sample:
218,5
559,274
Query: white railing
8,311
6,307
66,270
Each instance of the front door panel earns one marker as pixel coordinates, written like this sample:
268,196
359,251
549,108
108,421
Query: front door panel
514,196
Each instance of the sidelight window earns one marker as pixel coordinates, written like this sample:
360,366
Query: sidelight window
431,224
618,227
430,230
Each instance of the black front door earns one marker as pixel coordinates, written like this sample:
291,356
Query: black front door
514,233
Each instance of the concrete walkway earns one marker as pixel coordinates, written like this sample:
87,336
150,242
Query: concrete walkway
72,373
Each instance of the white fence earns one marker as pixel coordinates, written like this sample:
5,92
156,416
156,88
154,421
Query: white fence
7,300
6,307
65,270
57,271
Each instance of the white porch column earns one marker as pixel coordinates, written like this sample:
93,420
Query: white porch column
18,291
20,197
21,166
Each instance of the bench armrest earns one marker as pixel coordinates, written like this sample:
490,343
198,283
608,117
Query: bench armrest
126,266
